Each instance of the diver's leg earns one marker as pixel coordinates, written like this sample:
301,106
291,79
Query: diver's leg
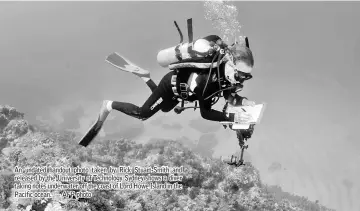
151,84
160,98
152,105
169,105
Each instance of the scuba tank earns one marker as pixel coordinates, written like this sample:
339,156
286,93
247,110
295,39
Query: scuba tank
182,52
201,51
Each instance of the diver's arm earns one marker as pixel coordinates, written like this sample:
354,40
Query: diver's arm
206,111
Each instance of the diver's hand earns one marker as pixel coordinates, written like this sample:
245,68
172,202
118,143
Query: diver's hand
246,102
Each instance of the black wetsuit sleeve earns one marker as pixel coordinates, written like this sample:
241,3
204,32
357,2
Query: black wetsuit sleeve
206,111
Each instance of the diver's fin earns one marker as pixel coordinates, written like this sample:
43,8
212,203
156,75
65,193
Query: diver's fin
122,63
96,127
91,133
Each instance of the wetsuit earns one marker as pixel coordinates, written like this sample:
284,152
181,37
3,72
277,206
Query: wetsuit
163,97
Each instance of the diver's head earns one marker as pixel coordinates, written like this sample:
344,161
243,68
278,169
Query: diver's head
239,65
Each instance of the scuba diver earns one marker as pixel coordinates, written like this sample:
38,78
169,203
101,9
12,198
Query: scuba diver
193,84
201,71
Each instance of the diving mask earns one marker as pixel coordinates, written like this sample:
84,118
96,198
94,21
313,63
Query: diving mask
237,73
